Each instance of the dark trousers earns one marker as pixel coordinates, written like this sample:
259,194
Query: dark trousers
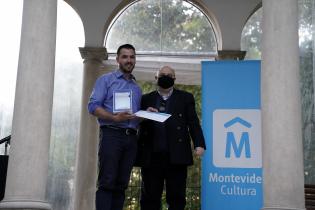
117,152
153,179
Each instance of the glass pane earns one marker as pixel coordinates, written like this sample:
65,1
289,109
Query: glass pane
10,21
165,26
66,107
139,25
306,42
251,36
185,29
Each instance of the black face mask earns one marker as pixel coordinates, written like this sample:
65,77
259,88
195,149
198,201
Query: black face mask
165,82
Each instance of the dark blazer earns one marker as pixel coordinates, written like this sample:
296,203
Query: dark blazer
182,127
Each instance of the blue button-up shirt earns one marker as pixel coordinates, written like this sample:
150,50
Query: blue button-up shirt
103,92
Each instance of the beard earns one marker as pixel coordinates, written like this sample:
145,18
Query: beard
127,68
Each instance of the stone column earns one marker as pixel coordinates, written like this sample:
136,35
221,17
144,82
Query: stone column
231,55
29,152
87,147
281,108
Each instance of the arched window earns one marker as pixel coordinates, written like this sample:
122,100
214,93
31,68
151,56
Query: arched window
162,27
251,36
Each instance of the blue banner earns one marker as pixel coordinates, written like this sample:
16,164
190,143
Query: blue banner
231,121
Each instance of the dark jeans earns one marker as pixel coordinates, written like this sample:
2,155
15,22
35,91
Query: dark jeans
153,179
117,152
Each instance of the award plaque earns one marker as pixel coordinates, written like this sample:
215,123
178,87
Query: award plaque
122,101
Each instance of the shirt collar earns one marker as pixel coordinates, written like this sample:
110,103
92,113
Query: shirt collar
165,97
119,74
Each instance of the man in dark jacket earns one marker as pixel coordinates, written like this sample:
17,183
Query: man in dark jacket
164,149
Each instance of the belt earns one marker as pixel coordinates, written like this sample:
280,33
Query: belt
127,131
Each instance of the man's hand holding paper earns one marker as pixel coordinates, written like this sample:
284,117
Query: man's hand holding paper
152,114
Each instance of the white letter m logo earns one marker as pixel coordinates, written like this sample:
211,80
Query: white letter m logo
231,143
237,138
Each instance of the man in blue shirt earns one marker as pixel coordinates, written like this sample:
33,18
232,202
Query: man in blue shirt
114,99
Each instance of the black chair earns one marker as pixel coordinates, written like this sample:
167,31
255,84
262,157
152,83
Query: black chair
3,173
4,166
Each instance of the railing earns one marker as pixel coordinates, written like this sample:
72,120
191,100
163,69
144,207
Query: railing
4,165
309,190
6,141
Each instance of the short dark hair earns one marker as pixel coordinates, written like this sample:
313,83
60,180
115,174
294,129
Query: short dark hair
125,46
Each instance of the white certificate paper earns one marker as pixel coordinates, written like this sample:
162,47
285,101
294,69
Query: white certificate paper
156,116
122,101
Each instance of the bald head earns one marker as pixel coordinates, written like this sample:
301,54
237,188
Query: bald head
166,71
165,78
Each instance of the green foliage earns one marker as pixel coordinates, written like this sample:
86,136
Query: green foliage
163,26
251,36
306,31
147,87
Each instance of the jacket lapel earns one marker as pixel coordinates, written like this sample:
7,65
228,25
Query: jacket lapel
173,101
153,99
